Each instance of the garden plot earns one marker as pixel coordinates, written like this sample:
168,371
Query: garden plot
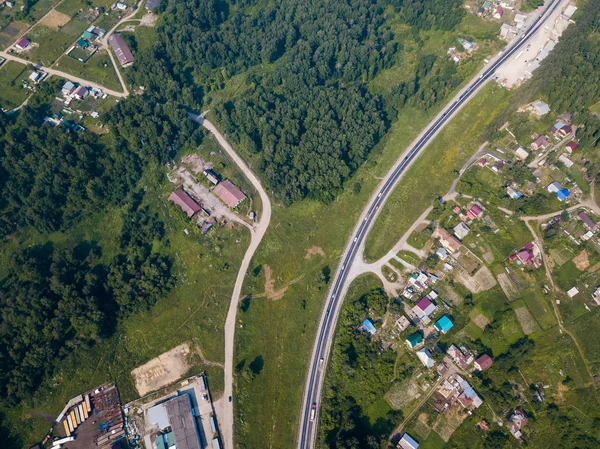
482,280
508,287
526,320
55,20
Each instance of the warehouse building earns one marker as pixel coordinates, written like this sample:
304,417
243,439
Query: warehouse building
177,415
121,50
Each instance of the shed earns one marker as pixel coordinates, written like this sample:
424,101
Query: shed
444,324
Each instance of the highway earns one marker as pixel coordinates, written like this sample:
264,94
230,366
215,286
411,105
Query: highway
316,371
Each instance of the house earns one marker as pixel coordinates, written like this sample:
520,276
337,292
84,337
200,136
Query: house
121,50
151,4
424,356
507,32
572,292
591,225
483,362
498,13
517,422
119,5
82,43
461,230
482,162
561,129
475,211
571,147
35,76
211,176
414,340
419,280
22,43
540,108
521,153
513,193
497,167
487,5
480,11
448,241
529,255
468,45
229,193
541,143
424,308
81,93
462,359
442,253
554,187
185,202
407,442
368,327
563,194
88,35
444,324
468,398
68,88
596,296
565,160
402,323
520,20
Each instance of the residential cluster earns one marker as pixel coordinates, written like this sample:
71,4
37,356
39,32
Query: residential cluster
85,47
63,111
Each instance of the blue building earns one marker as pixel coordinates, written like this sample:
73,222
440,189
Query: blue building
369,327
563,194
444,324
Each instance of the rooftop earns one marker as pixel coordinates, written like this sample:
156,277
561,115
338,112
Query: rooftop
229,193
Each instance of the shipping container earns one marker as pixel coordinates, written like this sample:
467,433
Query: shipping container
87,403
85,410
67,431
77,417
215,444
73,419
213,425
70,422
80,407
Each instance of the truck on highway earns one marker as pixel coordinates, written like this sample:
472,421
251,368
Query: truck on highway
313,411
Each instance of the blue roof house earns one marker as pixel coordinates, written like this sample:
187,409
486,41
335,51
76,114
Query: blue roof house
563,194
369,327
444,324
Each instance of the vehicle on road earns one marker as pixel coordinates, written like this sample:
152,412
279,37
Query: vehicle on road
313,411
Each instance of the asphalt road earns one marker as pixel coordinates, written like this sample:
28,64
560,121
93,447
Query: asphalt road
316,371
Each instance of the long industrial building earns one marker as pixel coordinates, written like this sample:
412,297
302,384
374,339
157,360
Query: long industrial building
176,414
121,50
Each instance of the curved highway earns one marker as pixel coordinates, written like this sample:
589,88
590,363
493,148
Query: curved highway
316,371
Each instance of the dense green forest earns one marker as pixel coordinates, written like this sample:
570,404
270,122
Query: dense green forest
305,113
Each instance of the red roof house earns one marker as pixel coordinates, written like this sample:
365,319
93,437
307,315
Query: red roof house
541,142
475,211
448,241
22,43
187,203
483,362
571,147
229,194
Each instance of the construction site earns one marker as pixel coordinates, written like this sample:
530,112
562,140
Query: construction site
92,419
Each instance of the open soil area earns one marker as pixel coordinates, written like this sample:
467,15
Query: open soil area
55,20
162,370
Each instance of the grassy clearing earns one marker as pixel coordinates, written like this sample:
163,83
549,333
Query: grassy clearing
12,93
98,69
433,172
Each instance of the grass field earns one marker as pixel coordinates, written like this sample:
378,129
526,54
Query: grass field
433,172
98,69
12,93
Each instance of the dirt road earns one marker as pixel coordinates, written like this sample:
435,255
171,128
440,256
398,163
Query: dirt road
224,407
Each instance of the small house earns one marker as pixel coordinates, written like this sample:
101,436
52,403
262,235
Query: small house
22,43
424,356
407,442
498,166
82,43
368,327
81,93
475,211
461,230
151,4
444,324
68,88
498,13
541,143
448,241
424,308
517,421
513,193
554,187
572,292
483,362
35,76
521,153
571,147
540,108
591,224
414,340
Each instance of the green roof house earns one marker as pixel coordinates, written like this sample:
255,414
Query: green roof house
414,339
83,43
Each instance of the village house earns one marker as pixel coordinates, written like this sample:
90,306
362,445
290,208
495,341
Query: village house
521,153
81,93
22,43
498,12
444,324
541,143
419,281
448,241
424,308
571,147
414,340
407,442
596,296
229,193
424,356
539,108
475,212
402,323
453,390
185,202
529,255
461,230
513,193
483,362
591,225
507,32
462,359
498,166
517,421
68,88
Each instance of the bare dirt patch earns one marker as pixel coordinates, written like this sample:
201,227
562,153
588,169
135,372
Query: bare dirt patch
161,371
481,281
526,320
481,321
55,20
313,251
270,292
149,20
194,163
582,260
449,421
488,256
510,290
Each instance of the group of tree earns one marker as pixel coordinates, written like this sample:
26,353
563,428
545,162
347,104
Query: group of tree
55,300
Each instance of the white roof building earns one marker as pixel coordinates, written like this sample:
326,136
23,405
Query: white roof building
461,230
554,187
540,108
573,292
570,11
407,442
521,153
425,357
